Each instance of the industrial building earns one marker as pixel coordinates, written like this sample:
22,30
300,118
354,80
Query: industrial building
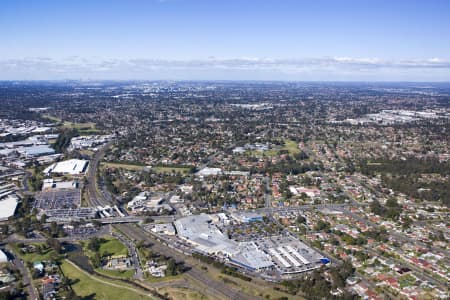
3,257
68,167
8,206
35,151
51,184
209,172
146,201
164,228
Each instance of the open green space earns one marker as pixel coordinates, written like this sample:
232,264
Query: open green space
182,293
87,128
125,166
93,287
42,253
289,145
125,274
158,169
51,118
151,279
181,170
112,246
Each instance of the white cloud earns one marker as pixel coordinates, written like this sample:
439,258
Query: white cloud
76,67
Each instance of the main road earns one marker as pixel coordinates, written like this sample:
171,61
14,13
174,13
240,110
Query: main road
96,198
26,277
213,287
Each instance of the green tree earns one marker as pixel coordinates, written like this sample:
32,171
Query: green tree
171,268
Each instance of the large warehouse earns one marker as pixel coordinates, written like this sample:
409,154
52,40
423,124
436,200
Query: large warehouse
68,167
3,257
8,207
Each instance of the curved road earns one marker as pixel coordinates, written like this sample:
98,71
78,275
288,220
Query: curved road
96,198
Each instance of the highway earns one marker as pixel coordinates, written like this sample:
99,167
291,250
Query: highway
25,178
214,288
96,198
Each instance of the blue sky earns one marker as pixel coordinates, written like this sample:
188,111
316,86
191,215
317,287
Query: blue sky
225,39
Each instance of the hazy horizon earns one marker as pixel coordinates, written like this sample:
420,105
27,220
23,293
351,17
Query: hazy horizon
226,40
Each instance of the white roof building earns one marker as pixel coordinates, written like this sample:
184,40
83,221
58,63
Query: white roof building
165,228
70,167
205,236
49,184
37,150
3,257
209,172
8,206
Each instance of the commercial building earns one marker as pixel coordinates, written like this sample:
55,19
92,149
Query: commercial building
35,151
199,231
246,217
283,255
51,184
8,206
164,228
68,167
3,257
251,257
209,172
147,201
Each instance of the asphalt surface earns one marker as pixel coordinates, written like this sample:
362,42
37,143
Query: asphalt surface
96,198
133,253
25,178
26,277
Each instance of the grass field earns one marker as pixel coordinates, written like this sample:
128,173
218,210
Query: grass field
128,274
93,287
289,145
47,254
87,152
182,294
88,128
113,247
151,279
51,118
257,287
130,167
159,170
182,170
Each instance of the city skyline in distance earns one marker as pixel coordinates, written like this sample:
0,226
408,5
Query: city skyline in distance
225,40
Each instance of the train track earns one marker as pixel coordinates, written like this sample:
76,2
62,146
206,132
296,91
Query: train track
213,287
